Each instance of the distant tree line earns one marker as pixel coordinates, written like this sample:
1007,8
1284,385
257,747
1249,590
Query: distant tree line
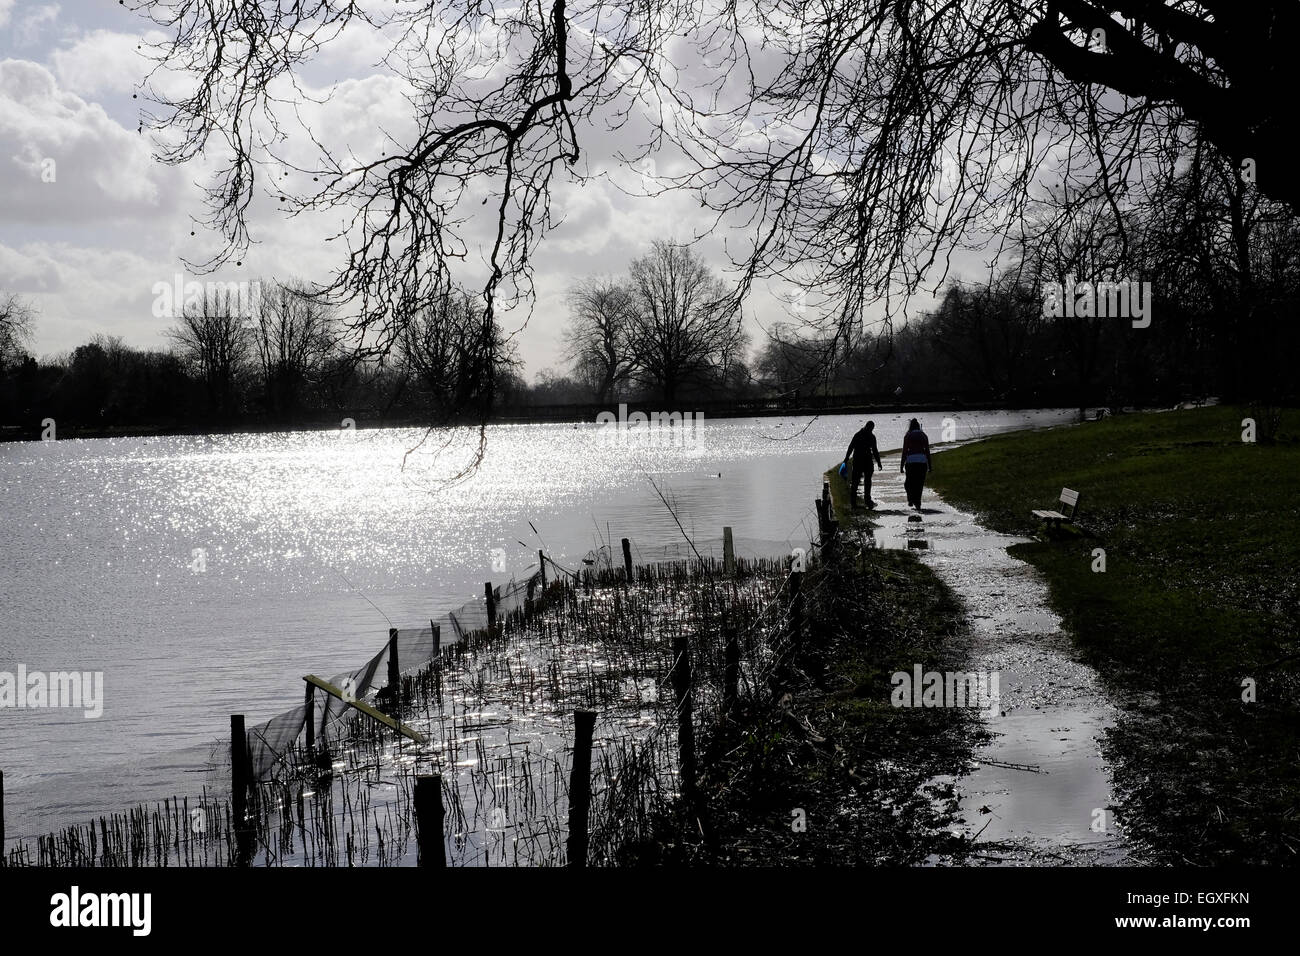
1223,264
664,330
1213,264
287,360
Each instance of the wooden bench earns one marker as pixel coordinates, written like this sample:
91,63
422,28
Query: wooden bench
1069,499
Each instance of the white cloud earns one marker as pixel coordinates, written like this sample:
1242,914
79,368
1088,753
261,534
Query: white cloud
28,30
80,292
101,171
101,61
6,7
89,246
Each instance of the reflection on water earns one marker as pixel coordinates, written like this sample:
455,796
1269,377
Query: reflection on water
205,576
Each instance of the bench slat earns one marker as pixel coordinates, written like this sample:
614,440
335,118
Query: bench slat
1069,497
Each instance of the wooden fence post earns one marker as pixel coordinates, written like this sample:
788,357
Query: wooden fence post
238,770
541,564
394,668
728,552
2,818
584,722
731,670
491,607
826,516
428,821
796,607
685,721
627,559
311,722
437,639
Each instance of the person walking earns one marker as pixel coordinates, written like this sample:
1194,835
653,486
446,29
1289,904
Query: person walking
861,449
915,462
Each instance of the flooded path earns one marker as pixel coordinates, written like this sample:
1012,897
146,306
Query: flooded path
1039,791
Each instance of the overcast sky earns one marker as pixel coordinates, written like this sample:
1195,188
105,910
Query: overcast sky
87,248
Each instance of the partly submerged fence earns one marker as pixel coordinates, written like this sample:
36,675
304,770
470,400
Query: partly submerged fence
407,650
657,650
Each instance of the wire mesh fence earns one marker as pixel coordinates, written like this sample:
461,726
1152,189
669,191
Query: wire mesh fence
491,688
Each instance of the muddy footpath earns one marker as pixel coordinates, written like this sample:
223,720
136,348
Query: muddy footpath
1038,791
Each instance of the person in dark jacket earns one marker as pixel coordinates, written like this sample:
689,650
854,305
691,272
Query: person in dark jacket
915,462
861,450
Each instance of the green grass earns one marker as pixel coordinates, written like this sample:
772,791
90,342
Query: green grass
1201,535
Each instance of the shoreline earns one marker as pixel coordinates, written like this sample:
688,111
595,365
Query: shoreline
575,415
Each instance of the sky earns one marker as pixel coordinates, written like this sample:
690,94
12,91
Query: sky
90,221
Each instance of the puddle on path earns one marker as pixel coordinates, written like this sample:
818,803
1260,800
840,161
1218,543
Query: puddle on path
1039,792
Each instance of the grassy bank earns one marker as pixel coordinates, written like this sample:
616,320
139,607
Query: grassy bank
1201,539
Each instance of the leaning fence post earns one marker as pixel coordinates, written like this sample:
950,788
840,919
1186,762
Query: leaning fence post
428,821
728,552
826,522
685,722
627,559
541,564
437,639
584,722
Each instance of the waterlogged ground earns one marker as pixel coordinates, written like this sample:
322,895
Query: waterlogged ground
1039,792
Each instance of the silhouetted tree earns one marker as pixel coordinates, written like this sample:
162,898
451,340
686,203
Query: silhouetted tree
293,335
989,332
684,327
602,313
15,329
217,342
456,356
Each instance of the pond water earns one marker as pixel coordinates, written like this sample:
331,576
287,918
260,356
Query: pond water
205,576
